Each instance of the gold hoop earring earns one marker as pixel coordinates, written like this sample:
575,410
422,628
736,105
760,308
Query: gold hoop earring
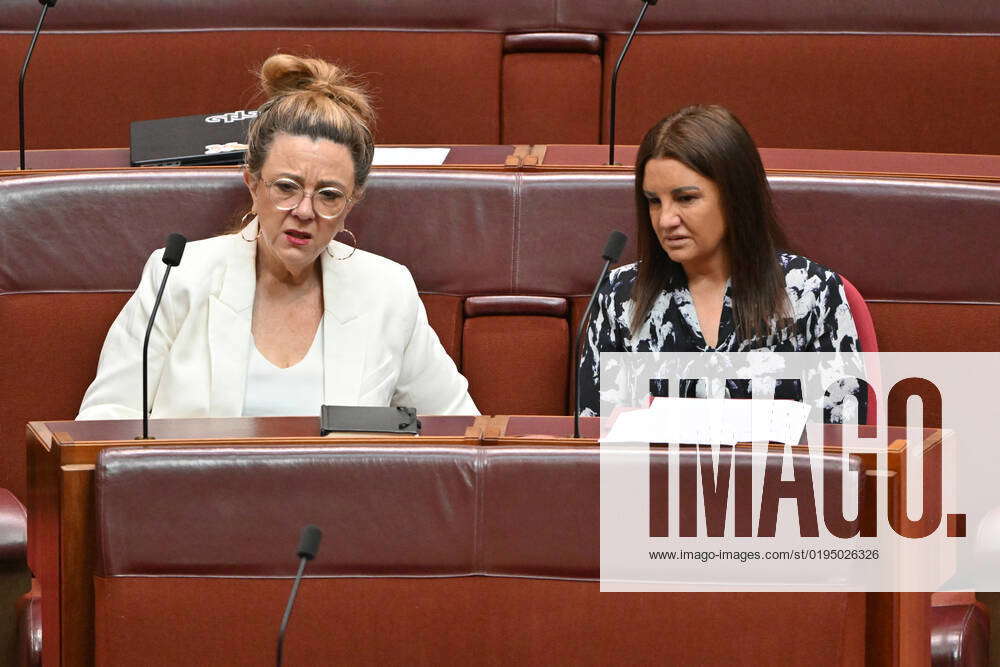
244,222
354,245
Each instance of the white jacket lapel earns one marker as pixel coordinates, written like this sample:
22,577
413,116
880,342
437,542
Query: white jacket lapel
229,313
344,328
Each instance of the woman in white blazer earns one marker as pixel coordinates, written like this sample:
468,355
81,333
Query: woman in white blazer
278,318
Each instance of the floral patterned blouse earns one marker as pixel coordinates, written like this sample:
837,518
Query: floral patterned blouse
822,322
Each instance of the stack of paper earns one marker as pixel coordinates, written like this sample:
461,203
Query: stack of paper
712,421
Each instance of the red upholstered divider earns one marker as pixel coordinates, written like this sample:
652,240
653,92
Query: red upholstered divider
456,555
444,312
517,365
842,74
45,373
84,89
551,98
936,327
866,335
849,92
394,621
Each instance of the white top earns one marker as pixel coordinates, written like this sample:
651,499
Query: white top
279,392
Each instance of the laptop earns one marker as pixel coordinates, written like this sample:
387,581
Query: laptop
215,139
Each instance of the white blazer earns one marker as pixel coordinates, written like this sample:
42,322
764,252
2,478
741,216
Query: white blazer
378,346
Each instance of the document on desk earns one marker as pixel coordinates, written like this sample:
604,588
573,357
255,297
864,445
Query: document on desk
400,156
712,421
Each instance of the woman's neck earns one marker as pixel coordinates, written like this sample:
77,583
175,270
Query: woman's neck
712,272
277,277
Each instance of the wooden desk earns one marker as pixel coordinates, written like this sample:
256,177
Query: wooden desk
464,156
61,458
898,626
950,166
571,157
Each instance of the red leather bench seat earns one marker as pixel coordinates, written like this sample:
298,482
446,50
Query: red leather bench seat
436,555
504,262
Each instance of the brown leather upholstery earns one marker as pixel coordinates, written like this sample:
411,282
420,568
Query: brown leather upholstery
959,635
974,17
477,245
521,15
478,306
496,256
29,629
207,67
550,94
836,91
480,555
445,311
502,355
851,223
552,42
824,74
866,336
13,530
15,578
847,75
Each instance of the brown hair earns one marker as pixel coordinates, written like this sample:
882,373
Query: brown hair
712,141
312,98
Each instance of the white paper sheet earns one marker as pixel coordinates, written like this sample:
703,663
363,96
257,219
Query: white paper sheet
712,421
395,156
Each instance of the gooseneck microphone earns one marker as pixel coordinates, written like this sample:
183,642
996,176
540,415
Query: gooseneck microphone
612,251
308,546
24,70
171,257
614,81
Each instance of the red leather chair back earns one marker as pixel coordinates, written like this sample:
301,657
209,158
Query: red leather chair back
431,555
866,334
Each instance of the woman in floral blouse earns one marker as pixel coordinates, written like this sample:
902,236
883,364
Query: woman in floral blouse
711,271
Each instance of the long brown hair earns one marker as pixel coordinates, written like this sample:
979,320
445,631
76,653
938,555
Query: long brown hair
711,141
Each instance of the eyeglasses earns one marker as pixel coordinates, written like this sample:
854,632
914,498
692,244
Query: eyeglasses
328,202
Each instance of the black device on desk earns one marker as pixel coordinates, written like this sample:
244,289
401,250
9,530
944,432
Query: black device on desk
213,139
364,419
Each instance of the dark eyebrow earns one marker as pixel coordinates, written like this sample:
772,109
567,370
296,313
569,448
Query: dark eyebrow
322,184
685,188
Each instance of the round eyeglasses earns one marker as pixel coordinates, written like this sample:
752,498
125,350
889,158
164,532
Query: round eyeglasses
328,202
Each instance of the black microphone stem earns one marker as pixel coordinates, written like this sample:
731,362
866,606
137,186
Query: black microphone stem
145,357
20,80
614,84
288,608
579,341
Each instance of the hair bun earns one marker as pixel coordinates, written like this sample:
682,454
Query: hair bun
284,74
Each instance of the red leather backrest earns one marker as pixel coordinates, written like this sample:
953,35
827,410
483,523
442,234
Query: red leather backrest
866,334
391,510
862,316
429,555
73,245
826,74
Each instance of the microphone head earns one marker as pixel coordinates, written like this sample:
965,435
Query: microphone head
175,250
613,248
650,2
309,542
50,3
